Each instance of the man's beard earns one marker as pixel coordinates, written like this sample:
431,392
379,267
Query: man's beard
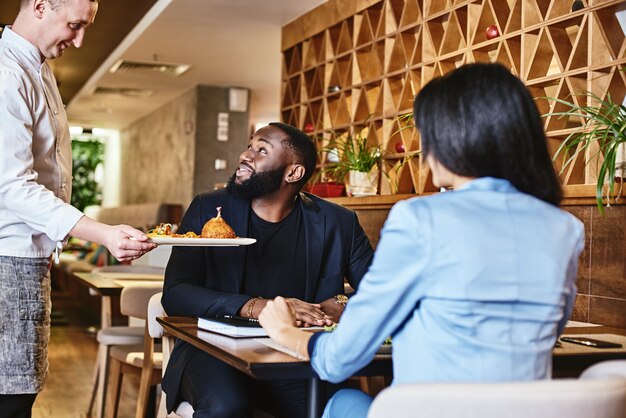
259,184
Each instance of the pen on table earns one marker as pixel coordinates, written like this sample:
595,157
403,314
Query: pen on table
240,318
578,341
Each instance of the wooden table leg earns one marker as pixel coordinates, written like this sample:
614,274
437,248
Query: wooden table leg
101,369
106,313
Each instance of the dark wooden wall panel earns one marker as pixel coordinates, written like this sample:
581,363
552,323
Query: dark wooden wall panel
601,278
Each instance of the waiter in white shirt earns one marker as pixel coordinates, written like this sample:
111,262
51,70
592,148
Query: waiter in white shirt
35,188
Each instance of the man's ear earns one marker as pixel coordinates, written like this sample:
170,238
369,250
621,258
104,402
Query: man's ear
39,7
295,173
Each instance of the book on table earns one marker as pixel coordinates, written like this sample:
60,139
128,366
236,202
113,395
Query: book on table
233,326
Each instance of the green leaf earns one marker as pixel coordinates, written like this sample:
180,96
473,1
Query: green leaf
605,125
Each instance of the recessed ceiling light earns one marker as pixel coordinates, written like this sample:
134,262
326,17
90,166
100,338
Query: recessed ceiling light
160,67
123,91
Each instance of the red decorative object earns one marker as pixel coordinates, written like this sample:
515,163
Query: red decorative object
400,147
329,189
492,32
308,128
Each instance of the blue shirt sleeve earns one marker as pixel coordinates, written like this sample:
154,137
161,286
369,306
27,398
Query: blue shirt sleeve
387,295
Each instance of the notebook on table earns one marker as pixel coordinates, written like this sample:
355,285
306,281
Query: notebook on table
238,326
233,326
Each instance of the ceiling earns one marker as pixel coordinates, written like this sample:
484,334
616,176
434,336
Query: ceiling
226,43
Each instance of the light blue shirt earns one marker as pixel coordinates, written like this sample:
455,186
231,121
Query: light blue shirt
473,285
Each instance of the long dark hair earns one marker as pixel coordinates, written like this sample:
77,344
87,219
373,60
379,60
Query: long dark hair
480,120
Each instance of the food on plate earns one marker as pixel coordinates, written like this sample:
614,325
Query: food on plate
189,234
162,230
165,231
214,228
217,227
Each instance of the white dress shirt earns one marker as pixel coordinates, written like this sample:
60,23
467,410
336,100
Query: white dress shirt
35,156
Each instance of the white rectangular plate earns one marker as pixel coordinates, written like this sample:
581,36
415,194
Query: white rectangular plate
203,242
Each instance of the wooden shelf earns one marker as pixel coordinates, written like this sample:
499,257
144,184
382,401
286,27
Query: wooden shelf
370,202
573,195
354,63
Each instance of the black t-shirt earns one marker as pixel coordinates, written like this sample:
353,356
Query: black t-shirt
275,264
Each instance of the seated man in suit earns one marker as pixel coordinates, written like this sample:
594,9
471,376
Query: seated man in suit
305,248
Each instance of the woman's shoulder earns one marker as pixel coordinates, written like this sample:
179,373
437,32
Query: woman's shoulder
415,209
572,222
431,201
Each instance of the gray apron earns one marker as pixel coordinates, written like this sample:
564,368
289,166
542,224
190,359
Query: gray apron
24,324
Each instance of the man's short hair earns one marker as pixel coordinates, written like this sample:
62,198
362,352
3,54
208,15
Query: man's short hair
54,4
57,4
302,146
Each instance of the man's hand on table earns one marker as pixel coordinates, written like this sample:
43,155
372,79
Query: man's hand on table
332,309
309,314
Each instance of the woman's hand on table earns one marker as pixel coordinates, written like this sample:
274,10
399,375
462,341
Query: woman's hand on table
277,316
279,320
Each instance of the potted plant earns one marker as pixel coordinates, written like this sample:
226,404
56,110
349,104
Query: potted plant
352,159
600,138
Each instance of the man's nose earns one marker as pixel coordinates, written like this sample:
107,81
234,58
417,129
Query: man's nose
246,155
78,39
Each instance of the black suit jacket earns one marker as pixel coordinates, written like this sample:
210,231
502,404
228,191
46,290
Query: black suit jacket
207,281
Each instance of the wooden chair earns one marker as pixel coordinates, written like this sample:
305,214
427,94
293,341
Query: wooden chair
144,360
107,338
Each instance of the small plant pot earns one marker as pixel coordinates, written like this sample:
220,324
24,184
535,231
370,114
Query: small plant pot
326,189
363,184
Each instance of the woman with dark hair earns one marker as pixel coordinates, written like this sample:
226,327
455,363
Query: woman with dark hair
475,284
481,121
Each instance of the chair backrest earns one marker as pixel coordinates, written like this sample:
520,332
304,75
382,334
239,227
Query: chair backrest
570,398
155,309
134,298
606,369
